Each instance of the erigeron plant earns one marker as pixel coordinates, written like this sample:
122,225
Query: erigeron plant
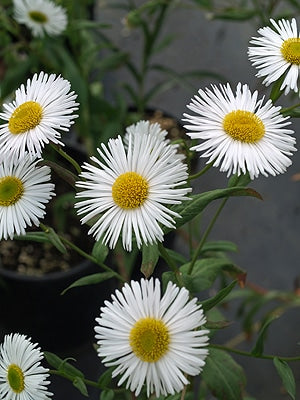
154,335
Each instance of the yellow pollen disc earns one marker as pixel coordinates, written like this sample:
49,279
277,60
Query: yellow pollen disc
290,50
38,17
244,126
15,378
130,190
11,190
27,116
149,339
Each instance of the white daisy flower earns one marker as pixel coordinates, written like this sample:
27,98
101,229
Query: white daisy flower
128,190
153,129
150,339
24,191
239,133
41,16
277,52
21,375
40,109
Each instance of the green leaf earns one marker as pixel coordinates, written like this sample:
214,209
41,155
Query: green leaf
108,394
259,345
90,280
221,295
236,14
81,386
100,251
220,245
217,324
286,375
55,239
40,237
224,377
190,209
106,378
276,92
149,260
62,172
204,273
62,365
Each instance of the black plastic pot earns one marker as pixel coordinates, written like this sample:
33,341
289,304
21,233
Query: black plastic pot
34,306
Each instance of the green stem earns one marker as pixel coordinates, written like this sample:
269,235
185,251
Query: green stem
286,110
248,354
205,235
71,378
202,171
91,258
67,157
171,263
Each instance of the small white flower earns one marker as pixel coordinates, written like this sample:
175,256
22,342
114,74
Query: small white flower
128,191
39,111
41,16
24,191
277,53
239,133
153,129
21,375
150,339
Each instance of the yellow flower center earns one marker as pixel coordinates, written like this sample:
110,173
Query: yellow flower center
38,17
15,378
290,50
149,339
244,126
27,116
130,190
11,190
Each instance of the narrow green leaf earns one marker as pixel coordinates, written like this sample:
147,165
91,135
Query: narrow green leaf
62,172
100,251
55,240
34,236
106,378
90,280
236,14
149,260
221,295
108,394
81,386
190,209
217,324
224,377
286,375
204,273
62,365
259,345
276,92
220,245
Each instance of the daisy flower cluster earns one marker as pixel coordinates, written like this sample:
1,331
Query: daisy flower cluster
41,110
154,340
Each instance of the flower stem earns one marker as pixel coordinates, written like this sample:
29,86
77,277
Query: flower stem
201,172
205,235
171,263
248,354
71,378
91,258
67,157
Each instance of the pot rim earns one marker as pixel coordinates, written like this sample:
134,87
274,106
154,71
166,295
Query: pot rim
52,276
